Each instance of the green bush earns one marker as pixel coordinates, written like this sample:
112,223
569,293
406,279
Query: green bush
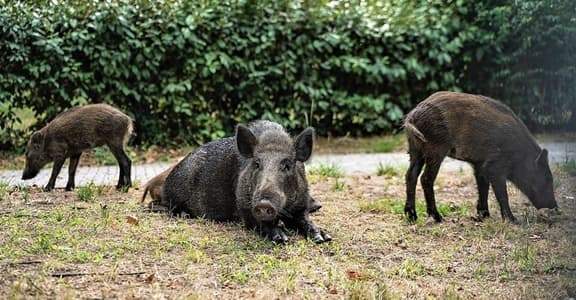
188,71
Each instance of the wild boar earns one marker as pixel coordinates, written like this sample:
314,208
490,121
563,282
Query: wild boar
484,133
257,176
154,186
75,131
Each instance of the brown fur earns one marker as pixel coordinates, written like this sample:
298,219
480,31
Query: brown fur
154,186
75,131
483,132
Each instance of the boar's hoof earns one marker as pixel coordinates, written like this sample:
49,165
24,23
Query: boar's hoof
69,188
482,214
436,216
512,220
278,236
48,188
320,237
411,214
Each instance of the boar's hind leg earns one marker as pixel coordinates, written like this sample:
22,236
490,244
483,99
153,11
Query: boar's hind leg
483,187
304,225
499,187
74,159
124,180
428,177
416,164
55,171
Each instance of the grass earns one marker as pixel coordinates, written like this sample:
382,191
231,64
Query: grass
89,192
377,144
569,166
374,254
396,206
326,171
387,170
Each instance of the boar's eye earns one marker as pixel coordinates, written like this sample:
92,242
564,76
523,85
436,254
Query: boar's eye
286,165
256,163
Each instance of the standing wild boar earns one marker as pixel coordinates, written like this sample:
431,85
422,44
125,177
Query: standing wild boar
257,176
485,133
75,131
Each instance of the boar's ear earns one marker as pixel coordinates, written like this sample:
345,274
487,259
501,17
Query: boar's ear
304,143
542,158
245,141
37,140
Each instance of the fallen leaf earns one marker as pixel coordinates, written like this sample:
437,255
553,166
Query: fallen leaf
354,275
150,278
132,220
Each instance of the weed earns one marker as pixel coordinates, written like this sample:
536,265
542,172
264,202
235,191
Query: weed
88,193
525,257
386,170
326,170
338,185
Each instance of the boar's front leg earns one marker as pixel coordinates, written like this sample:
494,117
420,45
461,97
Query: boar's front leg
58,162
74,159
303,225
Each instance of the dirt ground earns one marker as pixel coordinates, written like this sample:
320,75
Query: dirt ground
98,243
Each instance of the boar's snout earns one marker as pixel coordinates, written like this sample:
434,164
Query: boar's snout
551,204
29,174
264,211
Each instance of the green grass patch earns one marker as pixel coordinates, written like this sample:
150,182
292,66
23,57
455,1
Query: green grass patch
525,257
569,166
387,170
338,185
410,269
326,171
89,192
387,144
395,206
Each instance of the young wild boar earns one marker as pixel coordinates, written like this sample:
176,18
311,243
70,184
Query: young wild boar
485,133
257,176
74,131
154,186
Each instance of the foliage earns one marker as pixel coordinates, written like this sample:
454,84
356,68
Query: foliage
188,71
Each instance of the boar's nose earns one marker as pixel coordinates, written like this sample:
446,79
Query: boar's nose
264,211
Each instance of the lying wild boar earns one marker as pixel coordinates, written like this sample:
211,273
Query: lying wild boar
154,186
257,176
485,133
73,132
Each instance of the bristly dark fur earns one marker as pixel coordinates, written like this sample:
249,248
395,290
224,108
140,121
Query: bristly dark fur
227,179
483,132
75,131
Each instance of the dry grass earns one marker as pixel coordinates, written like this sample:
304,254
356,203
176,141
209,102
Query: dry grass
116,249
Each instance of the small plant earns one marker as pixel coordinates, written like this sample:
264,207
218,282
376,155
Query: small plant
386,170
525,257
87,193
338,185
326,170
24,192
569,166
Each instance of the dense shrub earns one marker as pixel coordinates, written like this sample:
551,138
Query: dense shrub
187,71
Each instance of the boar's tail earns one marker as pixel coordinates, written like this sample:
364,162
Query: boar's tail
129,131
146,189
413,130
